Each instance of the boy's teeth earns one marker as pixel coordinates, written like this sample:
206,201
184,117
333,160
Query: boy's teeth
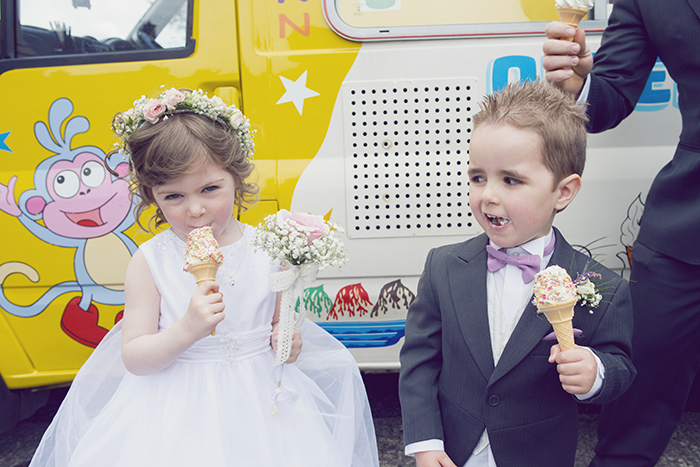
497,221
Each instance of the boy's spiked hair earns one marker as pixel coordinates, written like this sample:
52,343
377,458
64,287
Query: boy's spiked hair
553,115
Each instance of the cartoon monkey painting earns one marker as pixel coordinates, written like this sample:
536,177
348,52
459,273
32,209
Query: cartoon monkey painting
76,203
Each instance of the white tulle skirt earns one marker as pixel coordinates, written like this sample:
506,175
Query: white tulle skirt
210,409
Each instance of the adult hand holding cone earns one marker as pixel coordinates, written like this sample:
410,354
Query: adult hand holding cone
572,12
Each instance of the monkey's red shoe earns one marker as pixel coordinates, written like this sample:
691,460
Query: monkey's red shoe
82,325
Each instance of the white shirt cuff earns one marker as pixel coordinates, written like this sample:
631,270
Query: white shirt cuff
599,377
427,445
585,91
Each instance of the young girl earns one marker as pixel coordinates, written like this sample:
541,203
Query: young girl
161,389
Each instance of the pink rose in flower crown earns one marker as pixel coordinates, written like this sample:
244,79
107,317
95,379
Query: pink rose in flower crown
314,226
153,110
236,119
172,98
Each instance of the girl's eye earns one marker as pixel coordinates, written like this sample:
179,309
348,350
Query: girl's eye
511,181
172,197
211,188
477,179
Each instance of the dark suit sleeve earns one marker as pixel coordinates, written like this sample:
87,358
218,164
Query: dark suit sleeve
612,341
421,363
621,68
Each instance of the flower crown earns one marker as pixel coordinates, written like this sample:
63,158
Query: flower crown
175,101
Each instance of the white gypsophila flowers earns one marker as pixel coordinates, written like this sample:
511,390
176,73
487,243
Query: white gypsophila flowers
588,295
173,101
289,240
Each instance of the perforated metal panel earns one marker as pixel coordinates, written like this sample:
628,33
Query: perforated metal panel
406,152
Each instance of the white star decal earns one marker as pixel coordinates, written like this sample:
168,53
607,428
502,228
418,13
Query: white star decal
296,92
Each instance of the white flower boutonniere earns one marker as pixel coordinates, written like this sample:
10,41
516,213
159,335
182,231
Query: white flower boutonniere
586,290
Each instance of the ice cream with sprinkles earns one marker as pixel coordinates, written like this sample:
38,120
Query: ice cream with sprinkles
555,297
202,247
553,286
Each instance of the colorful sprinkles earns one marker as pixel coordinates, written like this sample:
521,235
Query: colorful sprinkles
553,286
202,246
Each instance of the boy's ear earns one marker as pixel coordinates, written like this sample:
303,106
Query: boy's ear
568,189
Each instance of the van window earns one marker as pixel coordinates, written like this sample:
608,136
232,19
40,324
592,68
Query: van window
47,33
411,19
48,27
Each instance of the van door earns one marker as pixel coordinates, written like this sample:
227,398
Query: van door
68,229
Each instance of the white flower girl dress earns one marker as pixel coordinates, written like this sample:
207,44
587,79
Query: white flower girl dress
211,407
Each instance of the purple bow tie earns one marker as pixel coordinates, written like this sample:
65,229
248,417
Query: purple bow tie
528,264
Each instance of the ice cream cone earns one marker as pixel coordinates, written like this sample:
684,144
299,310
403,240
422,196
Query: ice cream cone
204,271
572,17
561,316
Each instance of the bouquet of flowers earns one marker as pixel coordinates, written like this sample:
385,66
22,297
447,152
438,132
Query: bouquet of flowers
308,244
300,239
305,244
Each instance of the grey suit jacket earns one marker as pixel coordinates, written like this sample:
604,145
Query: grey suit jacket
450,388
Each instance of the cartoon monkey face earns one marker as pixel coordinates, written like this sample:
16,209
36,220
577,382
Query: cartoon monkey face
86,202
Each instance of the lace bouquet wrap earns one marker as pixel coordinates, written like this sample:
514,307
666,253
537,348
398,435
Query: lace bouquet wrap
306,242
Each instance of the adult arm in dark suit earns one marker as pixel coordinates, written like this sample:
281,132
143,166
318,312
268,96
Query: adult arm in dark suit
621,68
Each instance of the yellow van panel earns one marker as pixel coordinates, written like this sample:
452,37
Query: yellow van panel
284,66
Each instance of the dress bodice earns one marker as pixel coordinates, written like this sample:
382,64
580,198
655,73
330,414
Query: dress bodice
244,281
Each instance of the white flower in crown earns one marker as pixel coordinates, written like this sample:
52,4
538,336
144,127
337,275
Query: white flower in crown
218,105
174,101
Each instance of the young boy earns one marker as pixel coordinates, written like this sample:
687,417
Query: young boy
478,385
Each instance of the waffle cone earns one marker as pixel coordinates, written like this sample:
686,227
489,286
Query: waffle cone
572,17
203,271
561,316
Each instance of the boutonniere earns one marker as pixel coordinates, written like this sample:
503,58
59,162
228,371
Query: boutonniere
586,291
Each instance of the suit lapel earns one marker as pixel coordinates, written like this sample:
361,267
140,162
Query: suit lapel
695,5
531,328
468,288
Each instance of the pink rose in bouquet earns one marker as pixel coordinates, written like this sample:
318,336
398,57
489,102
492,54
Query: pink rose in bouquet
313,226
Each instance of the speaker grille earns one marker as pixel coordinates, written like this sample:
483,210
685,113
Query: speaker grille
406,157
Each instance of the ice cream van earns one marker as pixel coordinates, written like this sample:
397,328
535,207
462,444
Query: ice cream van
363,114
